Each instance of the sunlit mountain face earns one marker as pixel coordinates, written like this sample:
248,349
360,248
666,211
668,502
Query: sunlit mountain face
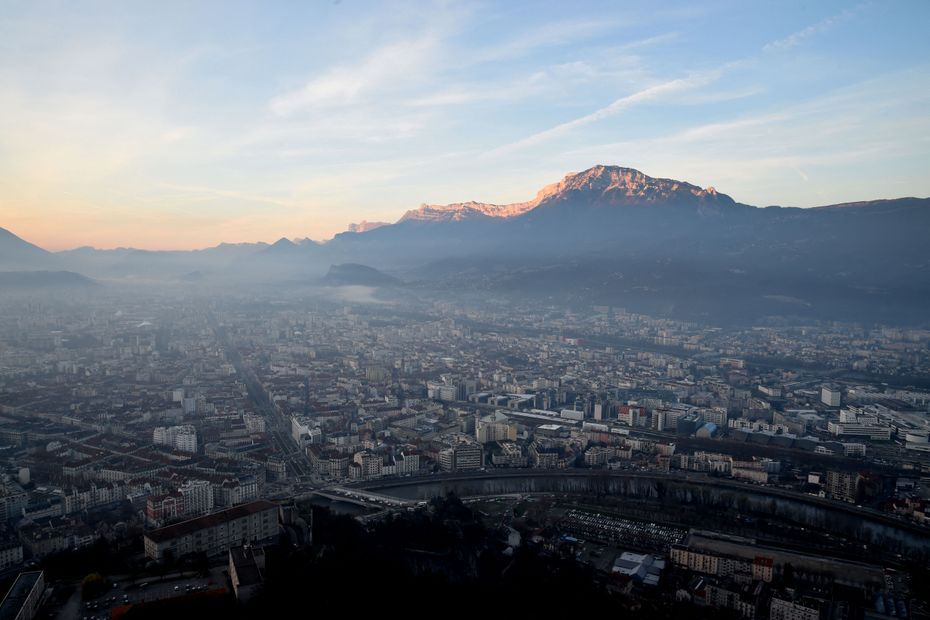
603,185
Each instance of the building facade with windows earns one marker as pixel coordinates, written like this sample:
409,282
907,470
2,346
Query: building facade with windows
251,523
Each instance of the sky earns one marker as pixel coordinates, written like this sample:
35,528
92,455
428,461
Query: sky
166,125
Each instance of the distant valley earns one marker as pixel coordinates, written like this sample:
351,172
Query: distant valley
607,235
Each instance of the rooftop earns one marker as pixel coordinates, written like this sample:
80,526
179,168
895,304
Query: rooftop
15,599
192,525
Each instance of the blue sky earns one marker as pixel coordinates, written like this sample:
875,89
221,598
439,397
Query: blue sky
180,125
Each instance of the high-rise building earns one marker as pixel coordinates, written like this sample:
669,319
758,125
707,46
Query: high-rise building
495,427
407,463
462,457
843,485
370,464
830,396
181,438
786,609
186,439
163,436
198,497
468,456
254,423
447,459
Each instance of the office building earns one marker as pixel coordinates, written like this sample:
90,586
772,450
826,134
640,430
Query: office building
830,396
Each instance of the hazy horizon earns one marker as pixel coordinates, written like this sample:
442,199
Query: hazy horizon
323,241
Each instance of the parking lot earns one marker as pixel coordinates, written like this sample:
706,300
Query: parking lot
639,535
147,590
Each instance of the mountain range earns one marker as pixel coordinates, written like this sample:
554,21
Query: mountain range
607,235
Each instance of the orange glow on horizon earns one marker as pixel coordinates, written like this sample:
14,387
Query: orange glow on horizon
65,234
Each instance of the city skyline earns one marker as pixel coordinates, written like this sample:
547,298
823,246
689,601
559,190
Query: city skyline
180,128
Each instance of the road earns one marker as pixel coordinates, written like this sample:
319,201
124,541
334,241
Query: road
142,591
277,424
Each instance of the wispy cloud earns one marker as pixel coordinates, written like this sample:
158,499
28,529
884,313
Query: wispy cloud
511,90
796,38
651,93
387,66
662,90
665,37
547,35
836,114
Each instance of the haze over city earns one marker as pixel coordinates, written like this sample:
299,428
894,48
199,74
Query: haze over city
171,126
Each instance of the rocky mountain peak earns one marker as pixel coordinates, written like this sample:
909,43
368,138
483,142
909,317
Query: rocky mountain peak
601,185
